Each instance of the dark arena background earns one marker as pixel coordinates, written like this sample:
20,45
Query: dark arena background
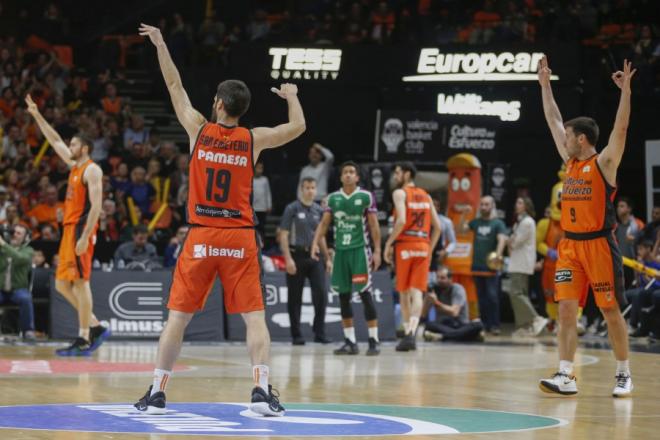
453,90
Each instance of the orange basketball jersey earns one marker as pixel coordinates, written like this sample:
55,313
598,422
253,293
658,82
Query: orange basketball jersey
221,172
76,203
587,200
418,216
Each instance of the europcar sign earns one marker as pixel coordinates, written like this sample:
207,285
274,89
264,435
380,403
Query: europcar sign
434,66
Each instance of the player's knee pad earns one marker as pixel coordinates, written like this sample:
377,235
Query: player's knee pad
345,305
369,305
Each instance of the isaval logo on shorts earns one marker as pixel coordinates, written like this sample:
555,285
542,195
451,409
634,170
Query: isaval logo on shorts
413,254
563,276
203,251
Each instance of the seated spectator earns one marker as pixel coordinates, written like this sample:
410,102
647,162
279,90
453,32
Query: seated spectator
450,302
173,250
109,224
4,202
642,296
121,182
139,156
48,233
12,218
48,211
137,254
140,190
651,230
137,132
628,227
39,259
167,154
111,103
15,269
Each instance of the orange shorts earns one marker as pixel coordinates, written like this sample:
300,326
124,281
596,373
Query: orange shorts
231,254
411,263
72,267
592,263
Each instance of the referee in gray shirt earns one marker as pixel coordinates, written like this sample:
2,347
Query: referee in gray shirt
297,227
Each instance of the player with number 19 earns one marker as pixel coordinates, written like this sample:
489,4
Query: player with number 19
222,240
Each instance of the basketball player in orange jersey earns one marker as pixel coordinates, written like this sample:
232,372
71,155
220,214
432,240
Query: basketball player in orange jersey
82,208
414,236
222,240
588,253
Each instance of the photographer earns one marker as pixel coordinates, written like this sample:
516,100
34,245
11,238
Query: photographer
15,268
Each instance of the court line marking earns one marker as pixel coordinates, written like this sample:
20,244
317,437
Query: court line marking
562,422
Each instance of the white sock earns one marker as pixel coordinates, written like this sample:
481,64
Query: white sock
566,367
161,377
349,333
373,332
84,333
261,374
406,327
414,322
623,367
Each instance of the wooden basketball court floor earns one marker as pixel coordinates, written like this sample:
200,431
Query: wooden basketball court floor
499,375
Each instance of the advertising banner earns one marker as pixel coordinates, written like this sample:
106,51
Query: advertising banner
277,316
430,137
133,305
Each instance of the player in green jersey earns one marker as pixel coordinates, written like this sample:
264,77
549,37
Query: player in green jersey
352,210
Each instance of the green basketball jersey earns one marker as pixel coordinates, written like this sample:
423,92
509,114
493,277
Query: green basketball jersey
349,217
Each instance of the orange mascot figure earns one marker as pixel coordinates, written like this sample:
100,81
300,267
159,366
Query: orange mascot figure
464,189
548,234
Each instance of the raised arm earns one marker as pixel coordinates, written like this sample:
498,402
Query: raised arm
272,137
190,119
49,132
611,155
93,178
550,109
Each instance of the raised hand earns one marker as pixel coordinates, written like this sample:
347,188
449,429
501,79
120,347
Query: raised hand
31,105
285,90
152,32
544,72
622,79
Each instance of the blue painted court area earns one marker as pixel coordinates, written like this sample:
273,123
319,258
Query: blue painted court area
300,420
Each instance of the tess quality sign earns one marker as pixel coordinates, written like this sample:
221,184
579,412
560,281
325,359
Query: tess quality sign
434,66
298,63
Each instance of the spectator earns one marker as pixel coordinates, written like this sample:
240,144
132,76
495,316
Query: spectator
489,236
450,302
297,228
628,227
121,181
12,218
382,23
111,103
258,28
140,190
4,202
642,296
319,169
48,233
652,229
139,156
522,252
102,144
167,154
137,254
48,211
262,202
136,133
447,242
39,259
173,249
15,268
109,223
